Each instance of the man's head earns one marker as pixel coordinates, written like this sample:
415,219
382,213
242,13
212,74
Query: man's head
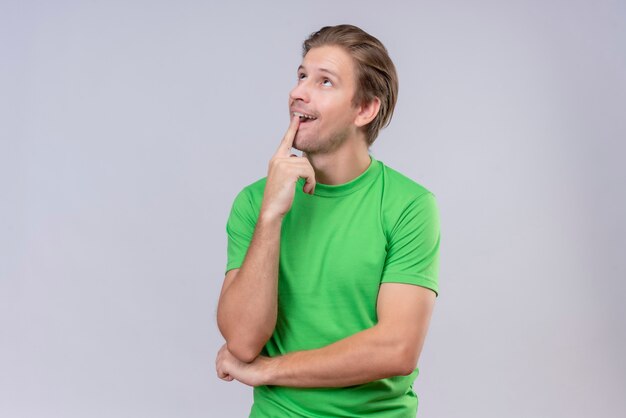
348,82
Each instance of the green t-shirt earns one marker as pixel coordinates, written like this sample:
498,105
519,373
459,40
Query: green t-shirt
337,247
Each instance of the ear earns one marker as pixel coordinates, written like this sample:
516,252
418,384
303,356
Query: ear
367,112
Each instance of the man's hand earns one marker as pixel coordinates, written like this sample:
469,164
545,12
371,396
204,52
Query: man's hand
228,367
284,170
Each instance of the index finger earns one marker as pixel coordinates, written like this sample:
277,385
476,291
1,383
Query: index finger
284,149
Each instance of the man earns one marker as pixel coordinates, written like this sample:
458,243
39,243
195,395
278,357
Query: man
333,258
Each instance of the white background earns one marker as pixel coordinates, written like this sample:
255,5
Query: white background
128,127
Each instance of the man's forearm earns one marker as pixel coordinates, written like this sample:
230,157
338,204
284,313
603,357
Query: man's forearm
248,309
363,357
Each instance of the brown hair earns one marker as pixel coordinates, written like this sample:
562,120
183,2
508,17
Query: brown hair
375,72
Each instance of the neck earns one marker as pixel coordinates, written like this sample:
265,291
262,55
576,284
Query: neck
342,165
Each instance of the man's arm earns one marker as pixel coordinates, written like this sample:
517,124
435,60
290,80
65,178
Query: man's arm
390,348
248,304
247,308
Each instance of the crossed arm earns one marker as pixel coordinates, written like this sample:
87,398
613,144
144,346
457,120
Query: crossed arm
247,312
390,348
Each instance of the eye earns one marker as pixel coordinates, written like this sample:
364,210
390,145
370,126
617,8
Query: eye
325,80
300,76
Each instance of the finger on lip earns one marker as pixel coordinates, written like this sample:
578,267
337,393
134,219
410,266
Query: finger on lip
295,122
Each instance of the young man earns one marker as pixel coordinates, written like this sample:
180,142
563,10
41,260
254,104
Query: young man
333,258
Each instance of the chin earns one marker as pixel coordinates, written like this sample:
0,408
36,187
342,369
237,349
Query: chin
313,144
301,144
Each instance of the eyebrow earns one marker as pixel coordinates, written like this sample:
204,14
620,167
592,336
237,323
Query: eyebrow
323,70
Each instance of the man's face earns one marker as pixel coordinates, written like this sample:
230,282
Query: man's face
325,87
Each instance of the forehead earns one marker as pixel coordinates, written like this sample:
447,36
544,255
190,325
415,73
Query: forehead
331,58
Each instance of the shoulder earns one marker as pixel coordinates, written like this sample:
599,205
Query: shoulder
251,195
255,189
405,202
399,188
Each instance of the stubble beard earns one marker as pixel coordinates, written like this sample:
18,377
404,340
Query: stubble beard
315,145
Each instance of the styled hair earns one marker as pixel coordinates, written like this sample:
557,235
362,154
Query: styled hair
375,72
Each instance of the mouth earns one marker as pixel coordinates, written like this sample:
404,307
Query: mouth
305,119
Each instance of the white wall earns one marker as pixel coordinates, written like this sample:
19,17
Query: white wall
127,128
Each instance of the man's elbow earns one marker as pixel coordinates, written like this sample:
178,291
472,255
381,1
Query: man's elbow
405,369
407,360
243,353
246,350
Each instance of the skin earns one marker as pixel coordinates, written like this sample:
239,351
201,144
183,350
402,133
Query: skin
335,143
247,307
334,152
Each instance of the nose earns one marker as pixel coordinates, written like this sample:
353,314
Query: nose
300,92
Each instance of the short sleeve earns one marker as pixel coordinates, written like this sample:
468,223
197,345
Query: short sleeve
413,245
239,229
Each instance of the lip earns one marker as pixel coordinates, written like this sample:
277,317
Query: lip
308,122
305,122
